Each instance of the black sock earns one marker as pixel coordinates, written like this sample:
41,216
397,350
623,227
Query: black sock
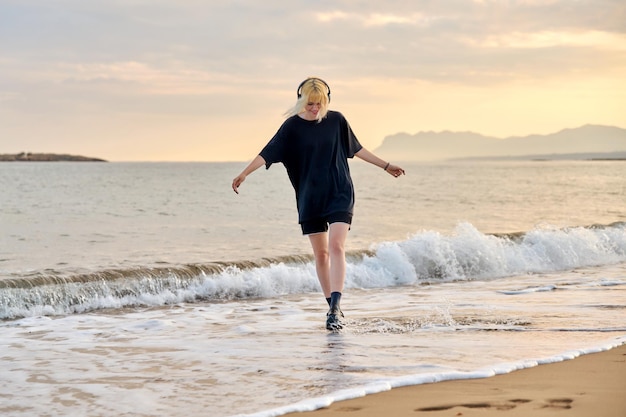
335,298
328,301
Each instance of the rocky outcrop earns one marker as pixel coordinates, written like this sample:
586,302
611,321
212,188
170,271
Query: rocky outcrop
46,157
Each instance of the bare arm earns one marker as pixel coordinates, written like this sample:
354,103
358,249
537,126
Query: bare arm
255,164
391,169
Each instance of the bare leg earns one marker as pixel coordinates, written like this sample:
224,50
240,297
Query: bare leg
338,232
330,257
319,243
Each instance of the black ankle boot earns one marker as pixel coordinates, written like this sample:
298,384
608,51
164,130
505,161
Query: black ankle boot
335,299
334,313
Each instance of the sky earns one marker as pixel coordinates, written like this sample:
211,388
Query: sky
192,80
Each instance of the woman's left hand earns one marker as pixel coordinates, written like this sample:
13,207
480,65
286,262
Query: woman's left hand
395,170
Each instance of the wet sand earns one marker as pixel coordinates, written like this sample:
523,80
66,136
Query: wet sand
592,385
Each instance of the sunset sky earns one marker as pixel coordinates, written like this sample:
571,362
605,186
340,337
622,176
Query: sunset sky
193,80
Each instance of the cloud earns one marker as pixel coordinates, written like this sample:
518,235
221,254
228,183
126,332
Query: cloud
171,80
211,62
373,19
548,39
272,39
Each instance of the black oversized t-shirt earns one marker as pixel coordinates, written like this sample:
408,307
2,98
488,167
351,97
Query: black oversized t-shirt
316,157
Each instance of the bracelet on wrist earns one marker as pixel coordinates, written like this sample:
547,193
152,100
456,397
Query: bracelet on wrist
387,166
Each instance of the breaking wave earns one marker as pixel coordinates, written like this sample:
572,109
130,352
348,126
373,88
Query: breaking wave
425,257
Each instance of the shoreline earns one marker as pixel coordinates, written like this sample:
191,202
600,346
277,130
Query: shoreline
589,385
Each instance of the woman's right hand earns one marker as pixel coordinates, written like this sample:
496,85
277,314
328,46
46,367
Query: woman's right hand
256,163
237,182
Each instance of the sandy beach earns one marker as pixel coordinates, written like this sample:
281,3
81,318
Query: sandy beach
589,386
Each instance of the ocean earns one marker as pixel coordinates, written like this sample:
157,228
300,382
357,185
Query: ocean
149,289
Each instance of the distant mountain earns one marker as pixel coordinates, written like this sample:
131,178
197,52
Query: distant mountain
422,146
46,157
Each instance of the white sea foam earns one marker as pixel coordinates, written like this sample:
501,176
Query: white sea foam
425,257
420,379
213,354
469,254
140,320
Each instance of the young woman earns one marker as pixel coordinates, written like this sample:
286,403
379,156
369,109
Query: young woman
314,144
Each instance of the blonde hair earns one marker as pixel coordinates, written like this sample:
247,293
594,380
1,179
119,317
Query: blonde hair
314,90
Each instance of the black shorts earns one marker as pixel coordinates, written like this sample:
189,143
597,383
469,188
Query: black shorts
320,224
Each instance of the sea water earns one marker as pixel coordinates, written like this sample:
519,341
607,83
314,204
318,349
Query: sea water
151,289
